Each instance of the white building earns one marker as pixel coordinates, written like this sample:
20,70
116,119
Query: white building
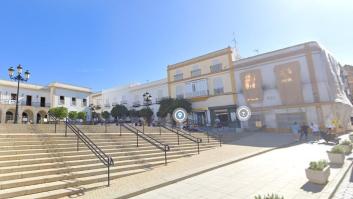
36,100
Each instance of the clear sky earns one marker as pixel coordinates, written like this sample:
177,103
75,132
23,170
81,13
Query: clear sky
105,43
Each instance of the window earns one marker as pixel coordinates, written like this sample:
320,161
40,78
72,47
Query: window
196,71
286,75
218,86
196,88
62,100
73,101
216,68
179,91
250,81
29,100
178,75
84,102
13,96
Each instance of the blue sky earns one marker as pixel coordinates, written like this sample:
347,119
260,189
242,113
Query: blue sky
101,43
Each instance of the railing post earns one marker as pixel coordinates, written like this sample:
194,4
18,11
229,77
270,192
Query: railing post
77,143
105,127
208,137
160,130
108,173
137,139
178,136
66,128
165,155
120,128
55,127
198,147
143,128
220,139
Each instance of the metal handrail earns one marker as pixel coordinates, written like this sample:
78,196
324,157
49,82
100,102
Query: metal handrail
104,158
151,140
187,136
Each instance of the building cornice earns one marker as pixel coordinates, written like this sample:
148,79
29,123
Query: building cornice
70,87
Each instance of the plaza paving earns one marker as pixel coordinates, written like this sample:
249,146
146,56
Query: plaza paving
245,147
345,190
280,171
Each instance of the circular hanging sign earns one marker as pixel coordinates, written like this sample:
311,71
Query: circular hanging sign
180,115
243,113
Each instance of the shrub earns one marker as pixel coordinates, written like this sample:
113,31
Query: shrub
147,114
73,115
269,196
318,165
59,112
81,115
106,115
119,111
346,142
337,149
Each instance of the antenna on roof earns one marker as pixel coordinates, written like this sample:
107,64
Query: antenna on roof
256,51
236,50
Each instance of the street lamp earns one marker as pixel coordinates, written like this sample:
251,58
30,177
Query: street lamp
19,78
147,98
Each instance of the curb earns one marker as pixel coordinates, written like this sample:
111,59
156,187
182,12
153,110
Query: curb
136,193
340,181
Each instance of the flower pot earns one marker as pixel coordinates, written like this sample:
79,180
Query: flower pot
318,177
347,149
351,137
336,158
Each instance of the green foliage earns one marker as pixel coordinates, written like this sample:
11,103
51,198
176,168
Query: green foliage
81,115
106,115
59,112
147,114
133,113
318,165
338,149
346,142
119,111
168,105
269,196
73,115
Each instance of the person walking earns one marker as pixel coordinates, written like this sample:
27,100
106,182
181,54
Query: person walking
316,131
295,130
304,131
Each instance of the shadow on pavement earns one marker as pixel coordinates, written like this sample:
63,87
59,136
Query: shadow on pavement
311,187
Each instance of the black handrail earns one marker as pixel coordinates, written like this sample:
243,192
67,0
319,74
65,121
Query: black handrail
151,140
187,136
220,136
104,158
51,117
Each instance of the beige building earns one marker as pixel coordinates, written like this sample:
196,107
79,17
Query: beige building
302,83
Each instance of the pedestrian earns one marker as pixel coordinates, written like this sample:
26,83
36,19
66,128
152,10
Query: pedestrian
316,131
295,130
304,131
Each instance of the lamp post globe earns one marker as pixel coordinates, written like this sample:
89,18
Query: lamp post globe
19,78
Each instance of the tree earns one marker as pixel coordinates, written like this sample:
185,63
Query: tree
147,114
168,105
81,115
119,111
106,115
59,112
133,113
73,115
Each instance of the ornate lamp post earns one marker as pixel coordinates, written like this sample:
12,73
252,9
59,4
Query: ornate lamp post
147,98
19,78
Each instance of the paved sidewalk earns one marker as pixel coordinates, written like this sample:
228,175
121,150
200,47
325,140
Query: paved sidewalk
280,171
345,190
187,167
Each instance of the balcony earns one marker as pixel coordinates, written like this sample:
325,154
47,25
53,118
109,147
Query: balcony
218,91
136,104
195,73
23,103
178,77
216,68
61,102
123,102
201,93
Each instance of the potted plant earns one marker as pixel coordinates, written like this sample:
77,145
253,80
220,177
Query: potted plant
318,172
269,196
336,154
347,146
351,137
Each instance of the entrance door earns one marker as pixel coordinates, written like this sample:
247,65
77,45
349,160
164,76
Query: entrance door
42,101
29,100
201,118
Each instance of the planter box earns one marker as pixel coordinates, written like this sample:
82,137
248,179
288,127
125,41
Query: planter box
336,158
347,148
318,177
351,137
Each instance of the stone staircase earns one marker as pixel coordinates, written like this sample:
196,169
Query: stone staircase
35,162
